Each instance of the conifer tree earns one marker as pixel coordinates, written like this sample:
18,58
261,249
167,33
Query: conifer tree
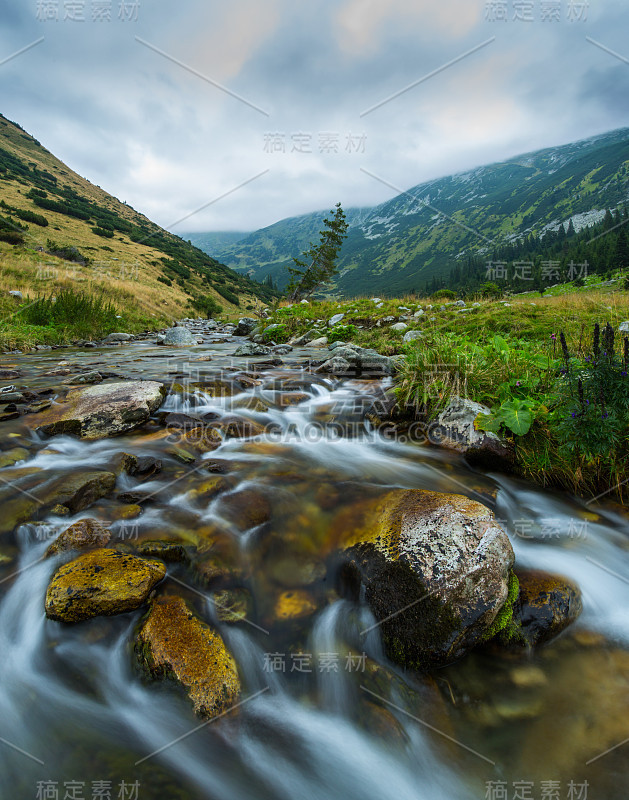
317,266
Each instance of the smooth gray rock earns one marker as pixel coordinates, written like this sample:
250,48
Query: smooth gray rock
399,327
119,337
335,366
411,336
179,337
336,319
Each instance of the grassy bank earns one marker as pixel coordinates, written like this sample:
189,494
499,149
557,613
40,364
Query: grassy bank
563,400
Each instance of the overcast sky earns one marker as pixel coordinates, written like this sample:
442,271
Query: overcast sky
172,106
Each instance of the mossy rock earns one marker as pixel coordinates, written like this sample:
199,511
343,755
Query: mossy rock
173,643
103,582
435,570
545,606
294,604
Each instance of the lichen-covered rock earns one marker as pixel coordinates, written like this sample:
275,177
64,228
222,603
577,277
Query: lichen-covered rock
13,456
179,337
85,377
456,428
203,438
166,551
435,569
101,583
81,535
104,410
173,643
233,605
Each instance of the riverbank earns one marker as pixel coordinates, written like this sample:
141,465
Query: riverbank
507,355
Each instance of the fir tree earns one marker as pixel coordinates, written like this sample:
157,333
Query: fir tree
317,266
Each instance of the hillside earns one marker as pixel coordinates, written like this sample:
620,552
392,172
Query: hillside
267,252
401,245
57,230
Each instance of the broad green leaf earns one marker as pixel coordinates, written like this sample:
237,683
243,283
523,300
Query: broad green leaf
517,416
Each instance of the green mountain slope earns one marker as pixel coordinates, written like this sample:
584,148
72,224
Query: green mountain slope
402,244
57,230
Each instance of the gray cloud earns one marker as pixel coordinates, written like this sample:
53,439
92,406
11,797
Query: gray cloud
166,141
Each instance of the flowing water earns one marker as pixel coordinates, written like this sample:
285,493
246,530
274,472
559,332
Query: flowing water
323,713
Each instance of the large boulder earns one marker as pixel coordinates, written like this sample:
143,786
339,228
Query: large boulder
174,643
435,568
456,429
101,583
179,337
105,410
245,326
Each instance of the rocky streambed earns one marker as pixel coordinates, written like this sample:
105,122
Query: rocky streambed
221,576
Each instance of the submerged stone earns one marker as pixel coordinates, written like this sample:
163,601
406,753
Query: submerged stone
79,536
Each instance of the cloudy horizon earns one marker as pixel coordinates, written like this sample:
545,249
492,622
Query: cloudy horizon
234,117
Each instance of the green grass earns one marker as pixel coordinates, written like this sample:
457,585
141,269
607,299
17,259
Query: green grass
69,316
506,355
